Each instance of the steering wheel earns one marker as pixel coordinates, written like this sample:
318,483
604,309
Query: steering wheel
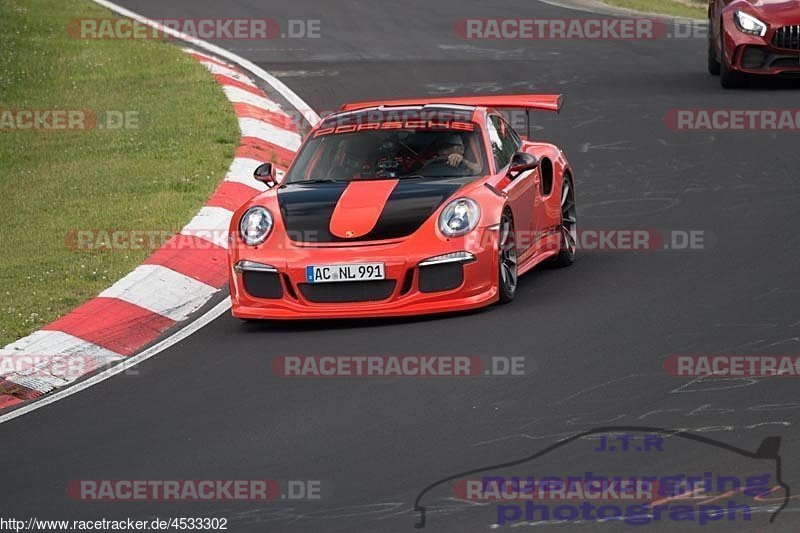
444,168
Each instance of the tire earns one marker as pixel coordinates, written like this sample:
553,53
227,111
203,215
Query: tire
569,225
507,275
713,62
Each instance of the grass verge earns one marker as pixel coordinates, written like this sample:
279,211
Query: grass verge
687,9
154,174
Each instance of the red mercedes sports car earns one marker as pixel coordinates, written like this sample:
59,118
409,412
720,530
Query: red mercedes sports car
748,37
403,208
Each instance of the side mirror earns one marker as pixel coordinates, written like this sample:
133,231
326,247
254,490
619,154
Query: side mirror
265,173
522,162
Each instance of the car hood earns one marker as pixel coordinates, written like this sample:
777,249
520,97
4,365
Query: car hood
363,210
778,8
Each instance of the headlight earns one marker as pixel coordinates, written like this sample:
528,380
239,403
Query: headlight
459,217
749,24
255,225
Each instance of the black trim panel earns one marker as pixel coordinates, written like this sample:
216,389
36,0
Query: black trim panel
348,291
443,277
262,284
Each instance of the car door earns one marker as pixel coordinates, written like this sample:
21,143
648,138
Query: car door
521,191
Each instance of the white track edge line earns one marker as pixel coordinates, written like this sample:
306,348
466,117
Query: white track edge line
308,113
118,367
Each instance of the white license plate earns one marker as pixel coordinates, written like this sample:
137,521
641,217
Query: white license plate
349,272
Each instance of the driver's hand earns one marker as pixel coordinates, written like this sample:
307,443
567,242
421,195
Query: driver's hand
454,159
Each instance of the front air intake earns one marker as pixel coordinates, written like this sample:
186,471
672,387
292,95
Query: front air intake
346,292
787,37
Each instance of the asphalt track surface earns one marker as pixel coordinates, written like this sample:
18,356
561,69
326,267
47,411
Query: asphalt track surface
594,336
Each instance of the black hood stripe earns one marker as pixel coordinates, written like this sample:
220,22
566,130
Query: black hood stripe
307,209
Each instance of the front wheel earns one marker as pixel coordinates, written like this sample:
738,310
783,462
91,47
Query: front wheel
713,62
507,251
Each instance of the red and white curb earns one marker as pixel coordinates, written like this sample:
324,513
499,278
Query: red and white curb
174,282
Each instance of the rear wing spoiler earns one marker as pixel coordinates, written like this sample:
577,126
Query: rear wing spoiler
544,102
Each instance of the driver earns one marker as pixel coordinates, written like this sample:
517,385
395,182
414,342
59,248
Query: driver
451,149
351,160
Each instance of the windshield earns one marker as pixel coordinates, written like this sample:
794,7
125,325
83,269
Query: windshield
397,153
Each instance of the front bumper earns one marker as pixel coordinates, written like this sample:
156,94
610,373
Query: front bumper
408,288
752,54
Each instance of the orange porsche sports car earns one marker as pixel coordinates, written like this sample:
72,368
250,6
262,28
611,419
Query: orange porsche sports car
404,207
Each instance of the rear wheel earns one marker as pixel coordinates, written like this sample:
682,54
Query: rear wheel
569,225
507,251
